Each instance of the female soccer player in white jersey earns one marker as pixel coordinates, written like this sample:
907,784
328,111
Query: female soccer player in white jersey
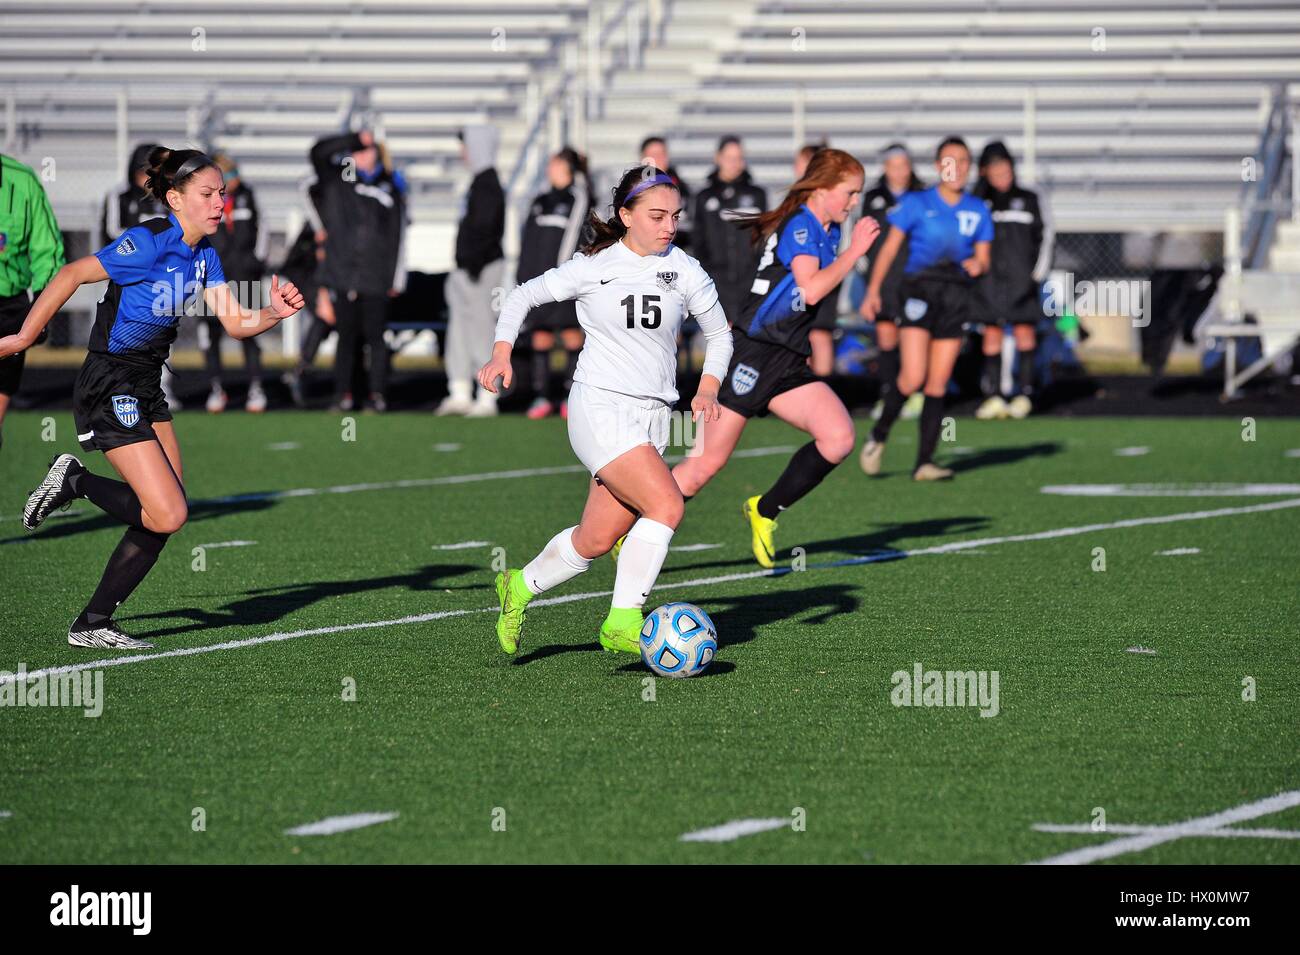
769,373
633,289
156,271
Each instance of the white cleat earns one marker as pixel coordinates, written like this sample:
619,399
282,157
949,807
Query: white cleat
992,409
451,406
52,493
256,402
1020,407
872,453
931,472
107,636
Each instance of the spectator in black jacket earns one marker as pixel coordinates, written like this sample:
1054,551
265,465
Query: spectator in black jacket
480,271
896,178
363,208
1008,294
654,152
725,250
239,244
550,237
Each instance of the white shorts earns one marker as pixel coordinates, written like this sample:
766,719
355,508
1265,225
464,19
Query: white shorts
605,424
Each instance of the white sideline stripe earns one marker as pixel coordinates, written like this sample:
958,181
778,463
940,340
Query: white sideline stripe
691,548
71,513
446,446
730,831
463,545
1146,650
1291,453
436,481
1085,828
1192,827
328,827
284,446
5,814
950,548
1178,552
1134,452
228,544
1170,490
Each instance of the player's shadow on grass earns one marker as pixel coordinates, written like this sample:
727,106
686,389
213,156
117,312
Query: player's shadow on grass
267,605
738,617
94,520
992,457
880,542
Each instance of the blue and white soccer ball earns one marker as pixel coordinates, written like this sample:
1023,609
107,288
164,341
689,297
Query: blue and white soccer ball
678,640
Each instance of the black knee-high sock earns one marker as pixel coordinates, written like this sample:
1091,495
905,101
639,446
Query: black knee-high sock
894,402
805,471
570,366
991,377
888,371
114,498
1025,373
134,557
931,422
541,371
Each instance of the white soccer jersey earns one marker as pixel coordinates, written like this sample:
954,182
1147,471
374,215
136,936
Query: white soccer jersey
631,308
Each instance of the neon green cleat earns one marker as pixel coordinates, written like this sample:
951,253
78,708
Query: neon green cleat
621,631
618,546
514,597
762,529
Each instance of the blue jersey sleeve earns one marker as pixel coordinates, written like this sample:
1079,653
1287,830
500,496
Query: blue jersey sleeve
798,238
907,213
984,231
130,258
214,273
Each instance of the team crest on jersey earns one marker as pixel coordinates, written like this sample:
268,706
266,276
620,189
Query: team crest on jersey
126,409
201,268
125,247
1017,203
666,280
915,309
743,379
801,236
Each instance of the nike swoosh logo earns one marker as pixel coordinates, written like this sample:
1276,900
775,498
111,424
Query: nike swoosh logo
173,268
605,281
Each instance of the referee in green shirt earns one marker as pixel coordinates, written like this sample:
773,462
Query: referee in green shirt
31,251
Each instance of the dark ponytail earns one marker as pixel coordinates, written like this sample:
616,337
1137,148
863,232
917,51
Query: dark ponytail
605,233
169,169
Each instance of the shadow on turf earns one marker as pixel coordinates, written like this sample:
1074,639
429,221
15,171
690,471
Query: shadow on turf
992,457
270,604
57,527
886,539
737,619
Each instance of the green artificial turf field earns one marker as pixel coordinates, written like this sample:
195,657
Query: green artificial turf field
557,755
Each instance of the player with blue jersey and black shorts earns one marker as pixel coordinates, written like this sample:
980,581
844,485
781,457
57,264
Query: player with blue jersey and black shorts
948,234
769,371
156,272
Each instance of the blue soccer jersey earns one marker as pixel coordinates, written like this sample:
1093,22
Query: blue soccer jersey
775,311
153,277
940,235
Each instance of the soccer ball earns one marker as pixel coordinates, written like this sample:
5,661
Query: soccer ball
678,640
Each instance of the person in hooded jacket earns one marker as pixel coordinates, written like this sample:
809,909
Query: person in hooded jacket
550,237
721,245
363,207
239,244
479,272
1008,294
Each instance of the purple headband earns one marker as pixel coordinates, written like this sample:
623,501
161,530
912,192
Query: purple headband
659,180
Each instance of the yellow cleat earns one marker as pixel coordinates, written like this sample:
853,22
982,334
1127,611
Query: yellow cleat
514,596
762,529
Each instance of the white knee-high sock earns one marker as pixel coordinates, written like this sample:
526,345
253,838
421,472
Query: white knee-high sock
639,562
557,562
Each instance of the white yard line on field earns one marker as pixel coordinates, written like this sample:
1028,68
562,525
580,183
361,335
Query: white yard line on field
328,827
730,831
1148,836
675,585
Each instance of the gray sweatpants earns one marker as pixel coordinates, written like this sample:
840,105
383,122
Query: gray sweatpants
472,320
